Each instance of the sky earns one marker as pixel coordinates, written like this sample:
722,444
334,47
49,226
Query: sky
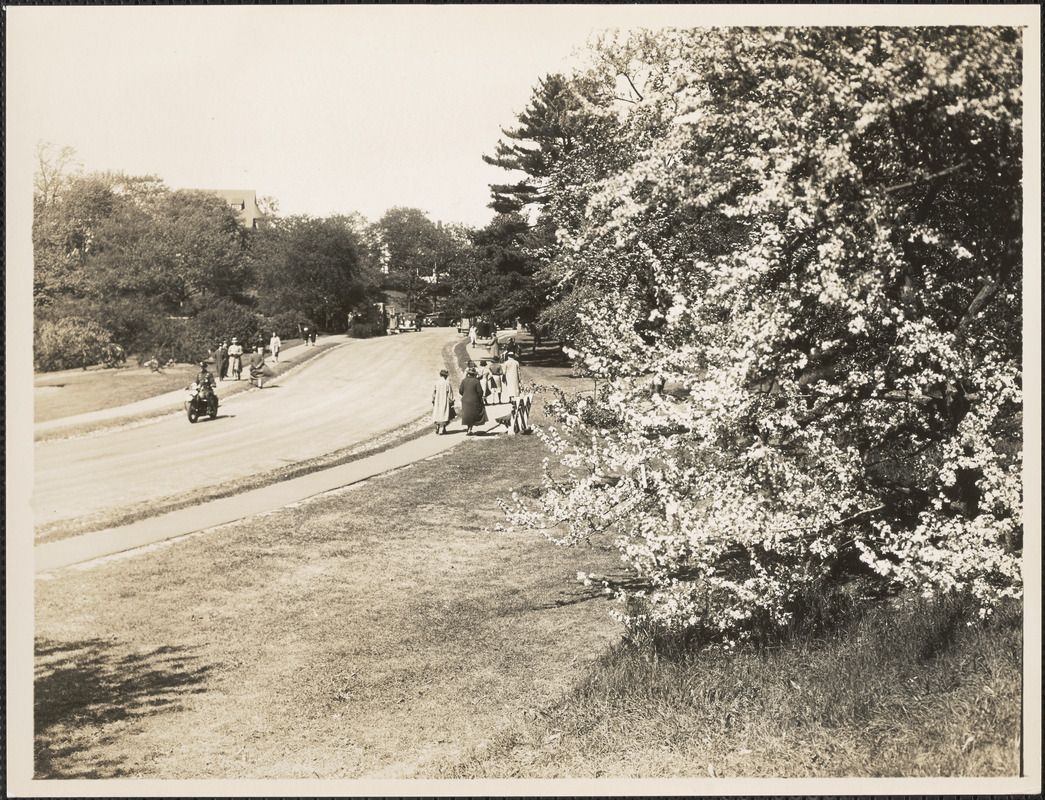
326,109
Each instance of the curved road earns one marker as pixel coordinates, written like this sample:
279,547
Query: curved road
344,397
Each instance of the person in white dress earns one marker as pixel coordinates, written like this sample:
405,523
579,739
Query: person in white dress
510,384
442,402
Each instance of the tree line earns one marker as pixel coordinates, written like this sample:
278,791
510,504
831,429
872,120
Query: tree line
126,266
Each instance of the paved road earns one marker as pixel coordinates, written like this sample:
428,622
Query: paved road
344,397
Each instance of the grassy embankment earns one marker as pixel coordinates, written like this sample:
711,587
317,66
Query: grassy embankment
386,631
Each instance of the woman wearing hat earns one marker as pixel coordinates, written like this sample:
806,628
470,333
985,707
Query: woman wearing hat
442,402
235,357
473,409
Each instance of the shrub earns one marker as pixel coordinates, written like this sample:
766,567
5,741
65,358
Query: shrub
73,342
285,324
220,320
843,317
366,329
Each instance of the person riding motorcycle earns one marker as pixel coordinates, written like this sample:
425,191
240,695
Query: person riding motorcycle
203,397
204,377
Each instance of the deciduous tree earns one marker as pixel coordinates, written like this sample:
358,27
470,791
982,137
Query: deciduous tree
799,279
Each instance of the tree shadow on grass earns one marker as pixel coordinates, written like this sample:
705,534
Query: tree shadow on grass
80,687
545,357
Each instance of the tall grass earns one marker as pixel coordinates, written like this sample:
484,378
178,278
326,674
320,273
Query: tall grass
904,689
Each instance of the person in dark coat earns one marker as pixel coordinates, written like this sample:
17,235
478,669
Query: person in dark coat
221,360
473,409
512,348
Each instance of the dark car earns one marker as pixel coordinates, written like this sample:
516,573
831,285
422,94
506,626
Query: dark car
409,321
436,321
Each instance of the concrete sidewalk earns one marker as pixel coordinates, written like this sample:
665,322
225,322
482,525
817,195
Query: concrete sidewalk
97,544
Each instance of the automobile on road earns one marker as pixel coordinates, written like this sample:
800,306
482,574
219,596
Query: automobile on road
408,321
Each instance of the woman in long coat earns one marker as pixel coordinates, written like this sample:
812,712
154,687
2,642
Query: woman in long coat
495,347
511,377
442,402
473,409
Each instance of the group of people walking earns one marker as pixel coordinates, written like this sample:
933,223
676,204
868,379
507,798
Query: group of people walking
478,389
228,357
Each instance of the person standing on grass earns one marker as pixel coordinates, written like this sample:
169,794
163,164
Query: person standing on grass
511,377
274,345
442,402
473,411
221,360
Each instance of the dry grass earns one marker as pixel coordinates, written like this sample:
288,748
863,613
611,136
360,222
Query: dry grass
905,692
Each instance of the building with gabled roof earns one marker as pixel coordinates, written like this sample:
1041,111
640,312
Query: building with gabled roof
244,202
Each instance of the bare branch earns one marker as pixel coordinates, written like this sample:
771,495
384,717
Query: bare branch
627,77
927,178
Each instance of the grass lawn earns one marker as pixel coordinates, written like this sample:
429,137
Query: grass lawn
378,631
66,394
386,631
57,395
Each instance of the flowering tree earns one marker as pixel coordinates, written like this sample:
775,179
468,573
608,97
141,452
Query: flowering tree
799,283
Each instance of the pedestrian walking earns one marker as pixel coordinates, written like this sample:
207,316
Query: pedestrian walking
496,379
495,346
312,336
274,346
221,360
235,357
472,333
257,365
513,347
511,377
484,376
442,402
473,411
305,333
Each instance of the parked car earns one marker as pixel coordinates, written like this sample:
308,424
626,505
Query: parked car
436,321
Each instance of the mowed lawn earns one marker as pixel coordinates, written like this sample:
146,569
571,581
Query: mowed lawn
379,631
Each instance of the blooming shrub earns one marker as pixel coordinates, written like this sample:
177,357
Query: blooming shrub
803,302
